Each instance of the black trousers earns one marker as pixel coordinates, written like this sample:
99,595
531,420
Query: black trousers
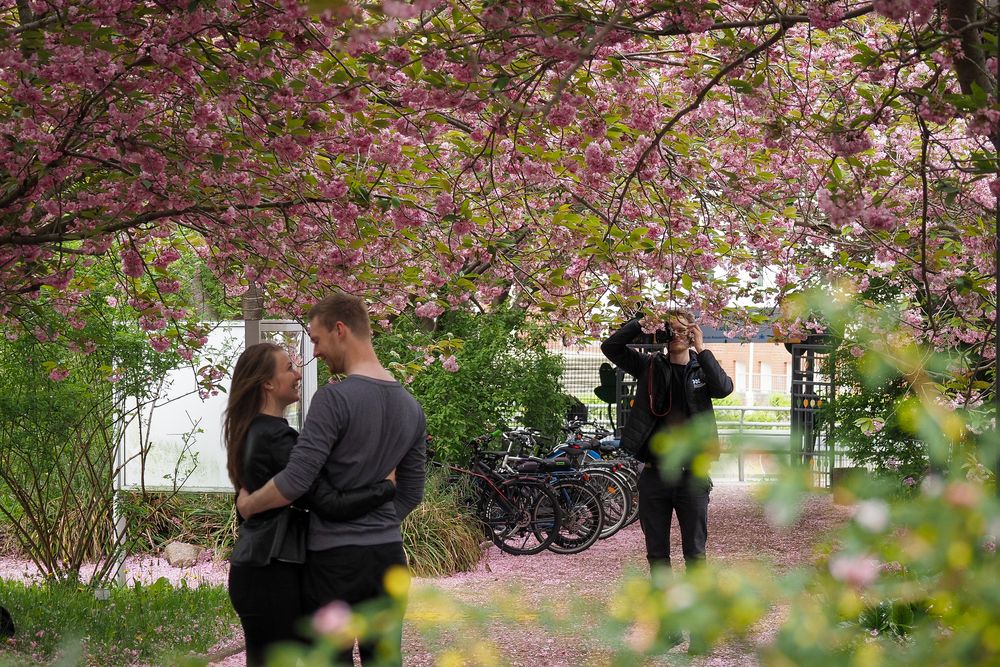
269,603
356,575
660,496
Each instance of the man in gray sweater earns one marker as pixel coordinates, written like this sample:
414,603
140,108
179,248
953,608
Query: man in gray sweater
356,433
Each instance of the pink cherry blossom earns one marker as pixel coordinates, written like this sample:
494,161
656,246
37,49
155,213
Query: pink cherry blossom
132,264
431,309
58,374
332,618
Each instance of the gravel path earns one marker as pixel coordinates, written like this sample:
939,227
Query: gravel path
738,532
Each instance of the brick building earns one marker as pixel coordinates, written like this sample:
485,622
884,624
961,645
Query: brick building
759,370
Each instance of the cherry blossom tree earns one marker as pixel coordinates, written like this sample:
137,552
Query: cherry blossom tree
565,155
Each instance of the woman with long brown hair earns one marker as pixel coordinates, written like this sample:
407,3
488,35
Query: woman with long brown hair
265,568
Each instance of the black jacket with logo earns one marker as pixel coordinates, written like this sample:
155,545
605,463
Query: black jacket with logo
704,380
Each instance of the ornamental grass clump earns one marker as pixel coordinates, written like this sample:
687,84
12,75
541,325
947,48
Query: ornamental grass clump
439,536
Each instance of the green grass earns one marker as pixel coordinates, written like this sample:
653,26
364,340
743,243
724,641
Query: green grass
157,624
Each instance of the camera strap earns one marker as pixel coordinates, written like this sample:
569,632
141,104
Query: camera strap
649,390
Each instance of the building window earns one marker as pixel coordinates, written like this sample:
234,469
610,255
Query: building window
765,377
740,376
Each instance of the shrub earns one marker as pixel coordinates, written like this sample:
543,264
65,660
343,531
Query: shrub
439,536
61,416
504,374
866,421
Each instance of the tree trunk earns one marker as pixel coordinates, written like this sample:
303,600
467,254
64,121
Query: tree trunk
971,67
253,309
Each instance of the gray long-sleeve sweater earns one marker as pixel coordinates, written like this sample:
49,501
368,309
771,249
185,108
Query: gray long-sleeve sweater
356,432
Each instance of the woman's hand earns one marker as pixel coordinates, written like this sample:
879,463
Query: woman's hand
392,476
241,504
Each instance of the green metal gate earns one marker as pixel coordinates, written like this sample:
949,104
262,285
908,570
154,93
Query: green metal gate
813,393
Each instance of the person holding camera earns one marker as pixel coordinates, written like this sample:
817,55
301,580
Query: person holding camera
673,386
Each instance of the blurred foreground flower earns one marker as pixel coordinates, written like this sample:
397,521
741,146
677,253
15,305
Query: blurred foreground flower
858,571
332,619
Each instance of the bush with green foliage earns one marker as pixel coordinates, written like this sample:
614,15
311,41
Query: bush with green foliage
63,385
875,390
504,374
866,421
62,412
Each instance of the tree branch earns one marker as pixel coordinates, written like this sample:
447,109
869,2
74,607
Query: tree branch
970,68
699,98
150,216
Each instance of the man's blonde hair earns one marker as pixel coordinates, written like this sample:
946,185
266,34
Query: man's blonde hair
680,312
346,308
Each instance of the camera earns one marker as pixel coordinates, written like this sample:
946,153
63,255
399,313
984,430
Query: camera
661,337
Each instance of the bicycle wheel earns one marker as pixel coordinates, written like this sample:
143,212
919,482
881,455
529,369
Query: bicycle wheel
582,516
522,516
632,479
628,473
616,499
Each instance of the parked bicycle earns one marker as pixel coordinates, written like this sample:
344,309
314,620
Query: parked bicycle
521,513
591,447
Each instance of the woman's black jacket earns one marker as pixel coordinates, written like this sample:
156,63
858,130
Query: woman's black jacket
704,380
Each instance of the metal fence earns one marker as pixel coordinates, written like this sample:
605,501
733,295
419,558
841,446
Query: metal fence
581,375
759,439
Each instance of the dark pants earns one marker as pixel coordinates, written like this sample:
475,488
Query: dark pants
659,498
268,601
355,575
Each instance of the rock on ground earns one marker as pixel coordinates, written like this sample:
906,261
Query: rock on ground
182,554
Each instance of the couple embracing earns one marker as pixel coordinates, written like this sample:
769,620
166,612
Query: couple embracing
322,508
